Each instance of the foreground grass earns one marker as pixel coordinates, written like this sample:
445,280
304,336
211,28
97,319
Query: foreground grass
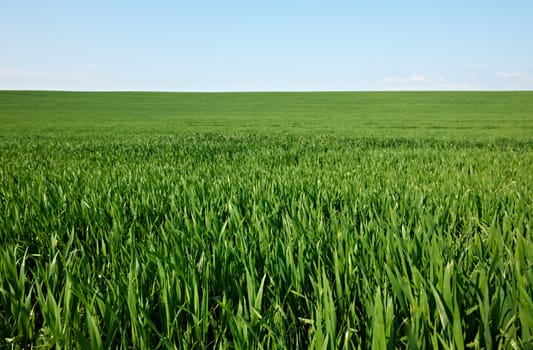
117,231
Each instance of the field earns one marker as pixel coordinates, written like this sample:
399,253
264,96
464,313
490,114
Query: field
266,220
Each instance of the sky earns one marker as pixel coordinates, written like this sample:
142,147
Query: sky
276,45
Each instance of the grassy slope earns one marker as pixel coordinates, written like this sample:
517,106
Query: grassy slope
277,219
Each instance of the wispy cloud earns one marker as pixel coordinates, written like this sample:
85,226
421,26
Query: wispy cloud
426,82
413,79
36,75
513,75
14,73
461,86
87,66
33,79
478,66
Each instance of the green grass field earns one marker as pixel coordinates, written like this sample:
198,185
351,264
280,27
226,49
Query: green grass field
266,220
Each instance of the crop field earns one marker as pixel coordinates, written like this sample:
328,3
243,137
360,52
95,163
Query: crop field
266,220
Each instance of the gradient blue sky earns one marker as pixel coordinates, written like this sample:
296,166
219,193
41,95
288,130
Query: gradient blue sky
266,45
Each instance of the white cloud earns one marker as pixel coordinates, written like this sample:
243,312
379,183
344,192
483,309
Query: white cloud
416,79
478,65
13,73
15,79
88,66
513,75
420,82
461,86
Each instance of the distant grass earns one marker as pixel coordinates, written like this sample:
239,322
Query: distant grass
456,115
266,220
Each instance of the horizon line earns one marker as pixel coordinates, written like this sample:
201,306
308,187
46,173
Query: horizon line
257,91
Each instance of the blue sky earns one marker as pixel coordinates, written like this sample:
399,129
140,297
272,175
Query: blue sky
266,45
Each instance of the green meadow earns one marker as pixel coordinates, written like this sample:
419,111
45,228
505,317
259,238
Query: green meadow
368,220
